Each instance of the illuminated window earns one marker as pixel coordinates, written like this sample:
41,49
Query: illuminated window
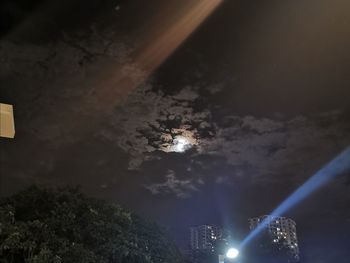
7,125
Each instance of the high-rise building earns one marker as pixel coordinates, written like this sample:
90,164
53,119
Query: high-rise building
205,243
281,233
204,237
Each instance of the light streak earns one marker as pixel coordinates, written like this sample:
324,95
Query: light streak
111,81
337,166
159,43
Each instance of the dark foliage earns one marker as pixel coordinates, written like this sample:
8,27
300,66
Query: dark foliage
41,225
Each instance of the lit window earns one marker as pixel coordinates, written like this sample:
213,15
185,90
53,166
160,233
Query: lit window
7,126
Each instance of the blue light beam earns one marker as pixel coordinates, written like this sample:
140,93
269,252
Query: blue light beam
337,166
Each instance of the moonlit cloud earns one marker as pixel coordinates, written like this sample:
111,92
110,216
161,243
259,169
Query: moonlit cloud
149,121
180,144
172,185
263,149
274,148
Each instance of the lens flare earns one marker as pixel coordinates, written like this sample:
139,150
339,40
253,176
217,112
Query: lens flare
112,80
337,166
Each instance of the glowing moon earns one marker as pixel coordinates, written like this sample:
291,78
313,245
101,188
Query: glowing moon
181,144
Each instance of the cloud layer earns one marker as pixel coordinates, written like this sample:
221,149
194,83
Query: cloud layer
152,124
260,149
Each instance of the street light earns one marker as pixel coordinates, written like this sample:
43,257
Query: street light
231,254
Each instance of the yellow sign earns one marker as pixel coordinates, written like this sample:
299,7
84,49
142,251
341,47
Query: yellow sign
7,123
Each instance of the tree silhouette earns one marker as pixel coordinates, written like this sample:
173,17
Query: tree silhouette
41,225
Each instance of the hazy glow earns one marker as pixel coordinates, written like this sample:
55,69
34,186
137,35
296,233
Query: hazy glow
111,80
160,39
181,144
232,253
337,166
188,18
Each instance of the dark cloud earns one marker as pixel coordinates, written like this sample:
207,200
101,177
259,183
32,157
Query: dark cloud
261,148
172,185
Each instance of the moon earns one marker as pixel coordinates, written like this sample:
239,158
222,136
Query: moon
181,144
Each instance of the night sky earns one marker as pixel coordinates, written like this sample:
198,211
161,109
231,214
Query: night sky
244,111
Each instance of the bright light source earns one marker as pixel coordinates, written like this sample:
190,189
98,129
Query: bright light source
339,165
232,253
181,144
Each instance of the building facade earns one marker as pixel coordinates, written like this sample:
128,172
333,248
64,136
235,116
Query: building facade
205,243
281,232
204,237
